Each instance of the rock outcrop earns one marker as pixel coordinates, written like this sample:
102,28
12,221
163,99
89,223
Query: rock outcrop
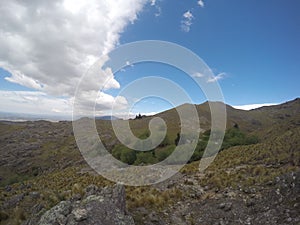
99,206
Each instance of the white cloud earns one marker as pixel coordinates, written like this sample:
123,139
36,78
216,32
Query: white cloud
152,2
186,22
100,100
158,11
129,64
157,7
19,78
55,42
216,78
198,75
201,3
188,15
49,45
253,106
33,102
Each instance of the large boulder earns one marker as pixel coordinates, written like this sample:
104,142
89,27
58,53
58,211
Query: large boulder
99,206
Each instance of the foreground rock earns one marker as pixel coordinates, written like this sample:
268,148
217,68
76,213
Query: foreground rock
99,206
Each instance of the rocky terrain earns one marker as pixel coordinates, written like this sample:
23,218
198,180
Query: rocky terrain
97,206
45,180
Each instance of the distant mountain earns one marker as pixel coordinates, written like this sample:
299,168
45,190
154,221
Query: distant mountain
18,117
107,118
21,117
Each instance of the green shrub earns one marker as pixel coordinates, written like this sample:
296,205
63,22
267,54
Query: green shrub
117,150
145,157
234,137
162,153
128,156
124,154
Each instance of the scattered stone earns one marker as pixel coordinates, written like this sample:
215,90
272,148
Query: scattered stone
37,208
206,188
14,201
222,206
222,222
153,217
8,188
34,194
91,190
76,197
79,214
225,206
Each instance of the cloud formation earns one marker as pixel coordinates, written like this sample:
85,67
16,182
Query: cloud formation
216,78
152,2
34,101
186,22
198,75
201,3
49,45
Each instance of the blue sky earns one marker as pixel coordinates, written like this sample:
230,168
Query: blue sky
256,43
252,46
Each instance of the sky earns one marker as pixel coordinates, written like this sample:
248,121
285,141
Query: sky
46,47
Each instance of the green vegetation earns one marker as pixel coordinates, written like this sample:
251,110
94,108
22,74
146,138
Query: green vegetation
248,165
145,158
162,153
233,137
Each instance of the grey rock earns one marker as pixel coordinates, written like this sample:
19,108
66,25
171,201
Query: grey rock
8,188
34,194
222,206
100,206
14,201
37,208
80,214
91,190
57,214
225,206
76,197
153,217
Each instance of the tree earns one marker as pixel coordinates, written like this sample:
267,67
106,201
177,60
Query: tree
138,116
128,156
124,154
145,157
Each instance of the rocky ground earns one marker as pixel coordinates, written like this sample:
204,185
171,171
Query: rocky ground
97,206
275,203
